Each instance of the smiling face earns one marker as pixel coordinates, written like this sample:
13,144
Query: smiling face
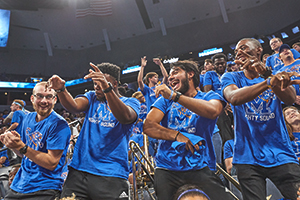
286,54
43,101
292,116
178,80
248,47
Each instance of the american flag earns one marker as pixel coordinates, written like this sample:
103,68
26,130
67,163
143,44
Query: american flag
94,8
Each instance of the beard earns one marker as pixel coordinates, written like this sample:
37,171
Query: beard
184,85
43,112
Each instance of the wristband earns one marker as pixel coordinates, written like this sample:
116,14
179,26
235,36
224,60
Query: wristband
172,92
176,135
109,88
178,94
61,90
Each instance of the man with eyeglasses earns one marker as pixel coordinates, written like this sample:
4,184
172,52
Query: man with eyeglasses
42,142
99,168
273,61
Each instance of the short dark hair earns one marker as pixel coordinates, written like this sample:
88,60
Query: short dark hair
111,69
218,56
189,66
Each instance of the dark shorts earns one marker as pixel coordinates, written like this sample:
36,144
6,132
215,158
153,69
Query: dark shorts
40,195
92,187
253,180
167,182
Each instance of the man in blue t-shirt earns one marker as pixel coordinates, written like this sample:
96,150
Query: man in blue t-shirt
17,107
147,87
99,168
184,118
290,65
42,142
262,147
273,61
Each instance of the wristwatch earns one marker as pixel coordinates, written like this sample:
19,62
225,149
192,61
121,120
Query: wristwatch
176,98
267,73
109,88
23,150
61,90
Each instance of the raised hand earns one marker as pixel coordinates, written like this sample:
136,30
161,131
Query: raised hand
97,76
143,61
55,83
283,79
157,61
251,62
164,90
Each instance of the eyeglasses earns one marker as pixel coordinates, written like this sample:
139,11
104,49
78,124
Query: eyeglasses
40,96
291,112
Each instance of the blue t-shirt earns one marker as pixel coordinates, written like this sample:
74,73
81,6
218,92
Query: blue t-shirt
102,146
179,118
4,154
52,133
149,94
275,63
228,149
296,144
18,117
261,137
213,78
201,80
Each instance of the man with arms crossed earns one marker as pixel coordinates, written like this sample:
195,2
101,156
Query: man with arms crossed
42,141
99,168
262,147
184,119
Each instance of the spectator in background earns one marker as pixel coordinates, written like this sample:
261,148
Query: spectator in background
264,58
43,157
274,61
4,161
232,67
1,118
292,120
151,81
296,46
228,156
128,91
17,108
290,65
212,77
190,192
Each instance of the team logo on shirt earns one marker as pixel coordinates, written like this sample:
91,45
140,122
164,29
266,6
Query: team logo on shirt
181,118
34,138
103,115
259,109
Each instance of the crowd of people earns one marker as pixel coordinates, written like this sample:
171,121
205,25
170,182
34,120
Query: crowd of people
241,115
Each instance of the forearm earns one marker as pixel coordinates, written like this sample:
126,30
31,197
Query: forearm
140,78
68,102
245,94
164,73
42,159
123,113
13,126
201,107
288,96
157,131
